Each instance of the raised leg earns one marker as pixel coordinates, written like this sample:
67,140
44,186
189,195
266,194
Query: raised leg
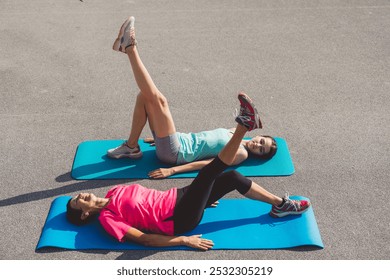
155,103
196,196
228,153
151,104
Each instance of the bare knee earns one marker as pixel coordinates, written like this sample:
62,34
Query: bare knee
140,98
153,98
162,100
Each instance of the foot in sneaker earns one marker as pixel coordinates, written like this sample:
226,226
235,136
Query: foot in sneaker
125,151
126,36
290,207
248,115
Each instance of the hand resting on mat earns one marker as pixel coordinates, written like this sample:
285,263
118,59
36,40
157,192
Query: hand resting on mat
158,240
161,173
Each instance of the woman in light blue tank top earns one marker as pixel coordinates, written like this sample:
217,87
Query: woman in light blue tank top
184,151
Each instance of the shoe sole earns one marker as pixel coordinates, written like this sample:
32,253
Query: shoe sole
117,44
284,214
244,98
133,156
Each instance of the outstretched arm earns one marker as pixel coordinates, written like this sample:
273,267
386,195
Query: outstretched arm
160,173
158,240
166,172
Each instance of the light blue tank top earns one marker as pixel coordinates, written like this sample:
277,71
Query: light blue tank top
201,145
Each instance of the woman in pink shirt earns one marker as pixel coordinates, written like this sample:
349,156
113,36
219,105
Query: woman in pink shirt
159,218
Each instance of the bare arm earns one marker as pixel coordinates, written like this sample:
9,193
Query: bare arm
160,173
158,240
166,172
196,165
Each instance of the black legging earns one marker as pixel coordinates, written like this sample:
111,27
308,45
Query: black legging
209,186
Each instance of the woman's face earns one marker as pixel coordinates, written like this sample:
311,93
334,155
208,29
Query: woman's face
259,145
83,201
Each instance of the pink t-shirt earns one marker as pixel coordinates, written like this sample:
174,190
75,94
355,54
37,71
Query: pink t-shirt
138,207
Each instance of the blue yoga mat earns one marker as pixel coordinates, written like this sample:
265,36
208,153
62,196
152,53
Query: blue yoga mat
235,224
91,162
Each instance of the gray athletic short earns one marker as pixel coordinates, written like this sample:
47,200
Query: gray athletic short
167,148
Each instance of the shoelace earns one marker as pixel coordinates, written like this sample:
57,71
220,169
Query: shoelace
242,110
246,111
291,203
133,41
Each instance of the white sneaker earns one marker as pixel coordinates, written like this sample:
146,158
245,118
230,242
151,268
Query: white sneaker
124,151
126,36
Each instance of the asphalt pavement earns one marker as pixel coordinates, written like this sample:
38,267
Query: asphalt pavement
318,71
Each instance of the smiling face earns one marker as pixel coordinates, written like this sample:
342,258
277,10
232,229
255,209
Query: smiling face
260,145
81,207
84,202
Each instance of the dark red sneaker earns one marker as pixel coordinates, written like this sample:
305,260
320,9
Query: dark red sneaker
290,207
248,115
